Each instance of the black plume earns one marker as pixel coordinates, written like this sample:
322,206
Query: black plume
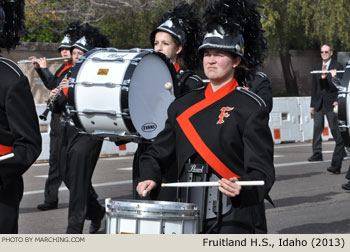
93,36
74,30
239,16
192,27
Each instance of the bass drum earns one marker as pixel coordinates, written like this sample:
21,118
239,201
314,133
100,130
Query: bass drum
344,107
121,94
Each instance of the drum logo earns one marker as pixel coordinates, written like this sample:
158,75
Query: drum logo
102,71
149,127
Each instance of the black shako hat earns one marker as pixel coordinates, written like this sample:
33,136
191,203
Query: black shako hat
82,44
183,23
173,26
12,23
66,43
235,26
219,39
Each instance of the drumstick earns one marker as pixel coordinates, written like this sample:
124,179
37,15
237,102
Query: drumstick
211,183
7,156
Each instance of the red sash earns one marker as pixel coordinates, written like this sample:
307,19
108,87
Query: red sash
5,149
193,136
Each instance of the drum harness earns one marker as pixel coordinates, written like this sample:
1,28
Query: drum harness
210,201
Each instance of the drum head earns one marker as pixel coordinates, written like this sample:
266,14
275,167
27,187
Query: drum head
148,97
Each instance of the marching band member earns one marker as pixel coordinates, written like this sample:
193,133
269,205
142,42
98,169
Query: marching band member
223,127
79,153
261,86
177,36
19,127
51,81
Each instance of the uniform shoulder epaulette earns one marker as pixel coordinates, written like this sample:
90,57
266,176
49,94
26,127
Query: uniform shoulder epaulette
12,65
195,77
261,74
253,95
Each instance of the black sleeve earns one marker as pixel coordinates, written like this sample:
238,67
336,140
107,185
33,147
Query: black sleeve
262,87
24,126
59,105
258,159
47,77
187,82
155,160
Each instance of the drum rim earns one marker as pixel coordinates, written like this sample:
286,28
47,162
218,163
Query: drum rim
152,205
129,73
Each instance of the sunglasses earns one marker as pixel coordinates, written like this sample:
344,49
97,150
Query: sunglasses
324,52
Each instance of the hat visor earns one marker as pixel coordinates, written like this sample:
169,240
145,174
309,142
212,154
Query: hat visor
164,29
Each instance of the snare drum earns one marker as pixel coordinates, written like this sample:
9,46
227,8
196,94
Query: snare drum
121,93
151,217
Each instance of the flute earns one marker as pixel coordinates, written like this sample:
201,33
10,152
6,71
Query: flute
324,72
48,59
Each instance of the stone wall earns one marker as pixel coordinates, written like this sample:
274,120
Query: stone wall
27,49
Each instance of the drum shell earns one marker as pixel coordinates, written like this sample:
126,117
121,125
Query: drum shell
151,217
107,106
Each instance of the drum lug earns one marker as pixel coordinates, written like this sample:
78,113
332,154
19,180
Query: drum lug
92,84
136,50
118,58
125,85
101,112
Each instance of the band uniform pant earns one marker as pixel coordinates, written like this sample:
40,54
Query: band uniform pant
11,193
54,179
81,153
332,118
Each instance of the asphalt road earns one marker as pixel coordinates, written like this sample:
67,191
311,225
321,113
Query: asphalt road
307,198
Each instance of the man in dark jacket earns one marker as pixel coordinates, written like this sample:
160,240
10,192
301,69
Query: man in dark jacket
19,127
323,98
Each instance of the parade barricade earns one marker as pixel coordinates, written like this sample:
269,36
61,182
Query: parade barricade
284,120
291,120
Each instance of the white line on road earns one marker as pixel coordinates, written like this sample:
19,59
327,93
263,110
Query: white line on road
300,163
283,146
125,169
63,188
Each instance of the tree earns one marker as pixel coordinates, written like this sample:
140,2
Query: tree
284,30
329,23
300,24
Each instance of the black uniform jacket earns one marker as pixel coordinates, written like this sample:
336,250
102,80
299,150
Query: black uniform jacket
323,90
19,127
262,87
227,128
52,81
